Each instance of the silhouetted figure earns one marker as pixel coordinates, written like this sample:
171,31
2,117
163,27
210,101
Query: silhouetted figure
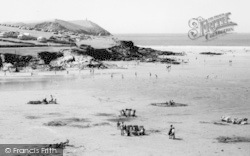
171,132
118,124
51,98
45,101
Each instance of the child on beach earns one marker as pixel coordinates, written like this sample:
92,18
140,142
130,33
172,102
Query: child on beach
171,132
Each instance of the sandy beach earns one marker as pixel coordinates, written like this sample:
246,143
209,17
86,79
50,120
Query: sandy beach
89,104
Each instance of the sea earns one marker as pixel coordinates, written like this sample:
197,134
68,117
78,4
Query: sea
232,39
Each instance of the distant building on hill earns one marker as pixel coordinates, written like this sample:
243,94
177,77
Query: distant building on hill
26,36
41,39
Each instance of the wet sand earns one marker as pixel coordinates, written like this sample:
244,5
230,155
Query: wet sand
89,103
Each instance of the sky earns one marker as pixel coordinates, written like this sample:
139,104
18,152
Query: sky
128,16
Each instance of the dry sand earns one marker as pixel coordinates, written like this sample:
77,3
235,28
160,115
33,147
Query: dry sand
89,103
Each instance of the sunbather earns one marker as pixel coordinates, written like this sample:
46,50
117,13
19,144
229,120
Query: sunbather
244,121
124,113
142,131
226,119
51,100
128,112
45,101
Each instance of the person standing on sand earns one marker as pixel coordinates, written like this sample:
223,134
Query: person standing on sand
118,125
122,128
171,132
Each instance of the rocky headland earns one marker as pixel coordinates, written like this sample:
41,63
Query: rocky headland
85,56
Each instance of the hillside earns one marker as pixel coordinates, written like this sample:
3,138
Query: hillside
78,26
60,25
91,27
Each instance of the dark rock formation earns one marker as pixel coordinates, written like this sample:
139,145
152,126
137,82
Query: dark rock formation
127,51
210,53
16,60
127,44
170,61
47,57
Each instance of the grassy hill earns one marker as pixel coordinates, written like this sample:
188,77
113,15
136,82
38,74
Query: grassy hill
60,25
78,26
91,27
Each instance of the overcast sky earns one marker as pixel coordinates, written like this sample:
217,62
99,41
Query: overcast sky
128,16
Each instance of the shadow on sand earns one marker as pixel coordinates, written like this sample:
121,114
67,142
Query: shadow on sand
168,105
178,139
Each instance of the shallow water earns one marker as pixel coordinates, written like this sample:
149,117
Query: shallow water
227,85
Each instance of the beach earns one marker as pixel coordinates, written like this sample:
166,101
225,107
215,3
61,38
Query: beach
89,104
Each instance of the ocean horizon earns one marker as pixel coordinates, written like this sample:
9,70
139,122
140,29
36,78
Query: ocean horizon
232,39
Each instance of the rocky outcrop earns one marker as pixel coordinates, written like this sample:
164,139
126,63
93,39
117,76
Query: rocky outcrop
16,60
127,51
210,53
87,57
47,57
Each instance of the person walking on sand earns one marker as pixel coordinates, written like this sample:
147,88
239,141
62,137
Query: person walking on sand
118,125
171,132
122,128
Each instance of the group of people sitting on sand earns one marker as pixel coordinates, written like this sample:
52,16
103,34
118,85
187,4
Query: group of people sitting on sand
128,113
171,102
52,100
44,101
130,130
229,119
60,145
